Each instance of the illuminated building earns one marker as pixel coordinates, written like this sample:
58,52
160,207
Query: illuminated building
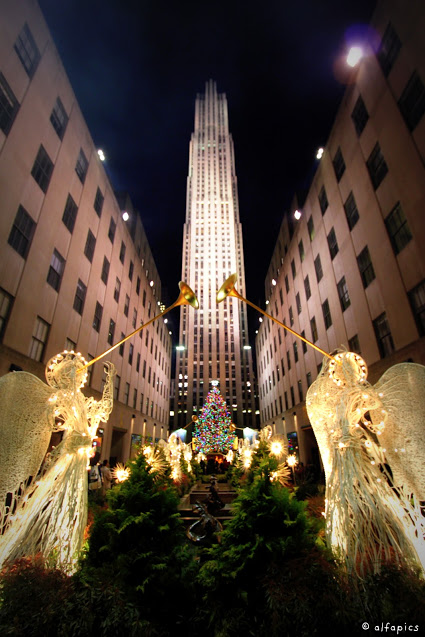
73,273
351,270
213,341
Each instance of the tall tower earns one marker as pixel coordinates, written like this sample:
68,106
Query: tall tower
213,341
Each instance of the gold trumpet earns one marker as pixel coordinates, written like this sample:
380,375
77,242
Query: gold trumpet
186,297
228,289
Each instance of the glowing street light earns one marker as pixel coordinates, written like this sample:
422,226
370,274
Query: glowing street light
180,348
319,153
297,214
354,56
125,215
101,154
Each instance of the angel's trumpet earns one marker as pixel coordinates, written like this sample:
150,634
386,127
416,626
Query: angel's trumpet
186,297
228,289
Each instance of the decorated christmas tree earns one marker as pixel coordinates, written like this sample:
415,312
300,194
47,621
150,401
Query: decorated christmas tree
214,432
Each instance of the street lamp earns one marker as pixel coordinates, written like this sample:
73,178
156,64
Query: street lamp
292,461
354,56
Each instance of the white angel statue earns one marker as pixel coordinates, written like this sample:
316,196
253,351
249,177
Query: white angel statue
49,515
368,520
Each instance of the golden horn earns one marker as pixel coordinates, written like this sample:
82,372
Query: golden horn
186,297
228,289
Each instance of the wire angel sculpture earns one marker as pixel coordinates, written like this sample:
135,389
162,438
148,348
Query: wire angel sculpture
368,521
48,515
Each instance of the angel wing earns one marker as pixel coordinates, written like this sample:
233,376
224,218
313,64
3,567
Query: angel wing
26,424
402,391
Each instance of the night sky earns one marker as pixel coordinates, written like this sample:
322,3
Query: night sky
136,67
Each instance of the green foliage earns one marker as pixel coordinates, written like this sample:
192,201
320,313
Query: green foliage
269,527
139,541
40,602
31,597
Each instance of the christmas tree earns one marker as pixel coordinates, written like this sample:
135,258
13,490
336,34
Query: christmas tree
214,432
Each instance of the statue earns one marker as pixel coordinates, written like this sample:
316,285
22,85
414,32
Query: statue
367,520
50,515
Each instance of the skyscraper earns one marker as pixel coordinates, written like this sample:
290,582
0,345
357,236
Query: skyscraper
213,341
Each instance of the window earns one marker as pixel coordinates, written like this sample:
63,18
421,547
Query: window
22,232
359,115
97,319
343,295
70,213
412,101
365,266
307,287
389,49
5,307
134,398
39,339
59,118
300,391
333,244
117,289
121,347
295,344
144,298
42,169
351,211
354,345
27,51
286,283
417,302
130,354
383,335
117,383
111,231
122,252
294,272
126,304
310,227
339,165
70,346
111,332
138,362
105,270
301,251
318,268
126,393
98,202
57,266
80,297
327,314
9,106
90,246
298,302
376,166
308,378
292,395
138,285
131,271
81,166
313,326
291,316
398,229
288,358
134,321
304,344
323,200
